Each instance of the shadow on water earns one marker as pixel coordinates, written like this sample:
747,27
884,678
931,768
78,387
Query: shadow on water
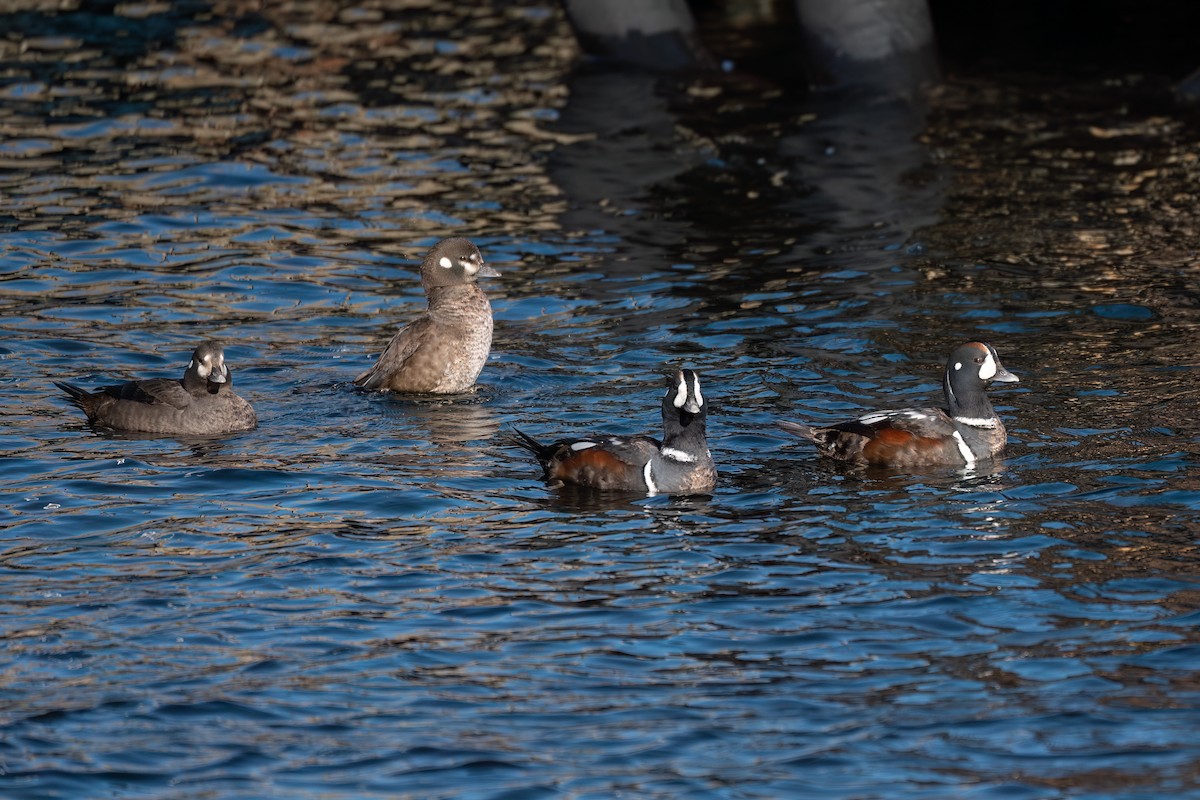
371,594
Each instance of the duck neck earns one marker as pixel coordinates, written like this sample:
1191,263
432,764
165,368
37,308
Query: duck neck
967,402
684,432
456,298
192,381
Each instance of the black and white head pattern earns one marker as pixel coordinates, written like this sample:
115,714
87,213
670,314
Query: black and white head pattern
979,357
208,363
970,368
685,393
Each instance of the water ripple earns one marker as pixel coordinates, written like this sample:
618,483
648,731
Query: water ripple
372,596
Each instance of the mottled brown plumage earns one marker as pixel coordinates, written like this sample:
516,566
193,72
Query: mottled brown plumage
444,350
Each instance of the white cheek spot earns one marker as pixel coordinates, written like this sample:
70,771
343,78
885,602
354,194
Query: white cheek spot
650,487
987,370
680,395
957,366
577,446
445,263
470,267
699,398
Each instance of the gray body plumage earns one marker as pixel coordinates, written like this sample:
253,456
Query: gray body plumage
202,403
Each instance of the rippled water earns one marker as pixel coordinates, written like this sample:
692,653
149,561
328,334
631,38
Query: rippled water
373,597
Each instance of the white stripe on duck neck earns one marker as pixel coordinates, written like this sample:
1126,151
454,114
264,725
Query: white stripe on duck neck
677,455
976,422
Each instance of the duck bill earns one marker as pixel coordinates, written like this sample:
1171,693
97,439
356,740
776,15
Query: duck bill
1004,376
486,271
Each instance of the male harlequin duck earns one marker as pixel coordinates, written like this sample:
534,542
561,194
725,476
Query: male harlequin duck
965,432
444,350
201,404
679,464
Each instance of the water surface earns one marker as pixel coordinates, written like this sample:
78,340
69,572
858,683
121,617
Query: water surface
375,597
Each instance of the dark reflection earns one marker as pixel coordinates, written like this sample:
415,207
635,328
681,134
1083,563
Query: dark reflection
813,468
570,497
448,422
202,448
730,188
450,435
573,498
869,177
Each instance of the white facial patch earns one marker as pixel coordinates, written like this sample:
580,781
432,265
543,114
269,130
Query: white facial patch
699,398
445,263
470,266
202,370
957,366
681,395
577,446
677,455
650,487
987,370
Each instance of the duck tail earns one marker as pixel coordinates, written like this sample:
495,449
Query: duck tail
798,429
528,443
76,394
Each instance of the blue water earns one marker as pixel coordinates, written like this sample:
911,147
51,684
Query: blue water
376,597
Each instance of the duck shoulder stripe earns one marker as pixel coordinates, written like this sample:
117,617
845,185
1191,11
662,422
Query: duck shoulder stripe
651,488
964,450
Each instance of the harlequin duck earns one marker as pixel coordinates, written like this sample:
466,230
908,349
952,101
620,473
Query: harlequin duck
201,404
679,464
968,430
444,350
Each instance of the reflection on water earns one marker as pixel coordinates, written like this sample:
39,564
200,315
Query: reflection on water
372,595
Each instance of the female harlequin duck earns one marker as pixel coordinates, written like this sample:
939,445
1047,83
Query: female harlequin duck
444,350
965,432
679,464
201,404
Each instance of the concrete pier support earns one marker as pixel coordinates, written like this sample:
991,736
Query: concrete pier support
659,34
882,46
